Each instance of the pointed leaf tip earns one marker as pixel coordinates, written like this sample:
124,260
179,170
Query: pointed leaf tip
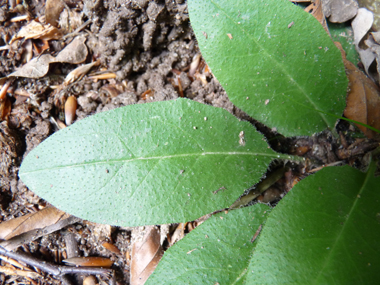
148,164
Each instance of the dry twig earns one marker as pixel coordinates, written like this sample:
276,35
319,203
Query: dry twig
57,270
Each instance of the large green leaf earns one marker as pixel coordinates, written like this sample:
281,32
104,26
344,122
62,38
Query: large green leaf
148,164
325,231
274,60
217,252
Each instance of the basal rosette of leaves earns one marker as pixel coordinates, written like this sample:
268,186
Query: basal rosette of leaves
175,161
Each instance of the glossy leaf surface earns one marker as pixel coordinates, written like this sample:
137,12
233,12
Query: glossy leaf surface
274,60
325,231
217,252
155,163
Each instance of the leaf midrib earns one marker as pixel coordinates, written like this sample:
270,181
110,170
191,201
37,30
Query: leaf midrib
342,230
115,161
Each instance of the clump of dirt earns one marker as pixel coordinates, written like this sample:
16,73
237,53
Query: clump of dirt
127,37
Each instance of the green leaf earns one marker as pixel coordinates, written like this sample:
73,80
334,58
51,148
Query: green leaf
274,60
325,231
216,252
343,33
155,163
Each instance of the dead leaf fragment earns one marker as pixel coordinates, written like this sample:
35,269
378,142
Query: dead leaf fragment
178,234
194,64
340,11
363,100
70,20
146,253
76,52
111,247
28,54
316,10
32,235
17,272
376,36
256,233
46,217
41,48
13,262
260,188
148,93
26,17
374,46
37,30
108,75
4,89
5,108
190,251
360,26
89,261
53,9
36,68
79,72
372,5
70,110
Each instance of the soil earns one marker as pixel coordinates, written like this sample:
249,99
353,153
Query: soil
149,45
